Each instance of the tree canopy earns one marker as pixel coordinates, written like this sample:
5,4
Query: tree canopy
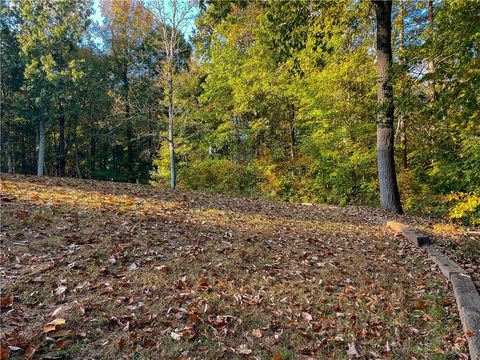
268,98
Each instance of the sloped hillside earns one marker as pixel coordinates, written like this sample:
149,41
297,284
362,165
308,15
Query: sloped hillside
107,270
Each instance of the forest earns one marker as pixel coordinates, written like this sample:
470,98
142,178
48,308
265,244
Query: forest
266,98
240,179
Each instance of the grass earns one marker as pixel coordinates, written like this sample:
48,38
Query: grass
152,273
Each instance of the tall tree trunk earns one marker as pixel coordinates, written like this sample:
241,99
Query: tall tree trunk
9,147
93,151
404,144
389,194
173,177
402,119
77,162
431,62
41,145
129,133
61,151
130,155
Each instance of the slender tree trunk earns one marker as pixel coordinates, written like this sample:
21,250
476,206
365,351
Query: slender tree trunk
41,145
389,194
404,146
130,155
292,134
173,178
129,133
431,62
402,119
77,162
61,153
93,148
8,148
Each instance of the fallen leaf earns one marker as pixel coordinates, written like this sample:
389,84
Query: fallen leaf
60,333
352,350
52,325
175,336
4,352
133,267
257,333
6,301
243,349
30,351
60,290
306,316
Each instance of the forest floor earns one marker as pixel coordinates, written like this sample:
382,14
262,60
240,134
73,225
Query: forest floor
94,269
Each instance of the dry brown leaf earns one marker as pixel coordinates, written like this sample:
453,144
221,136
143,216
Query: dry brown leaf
277,356
243,349
52,325
306,316
352,350
6,301
257,333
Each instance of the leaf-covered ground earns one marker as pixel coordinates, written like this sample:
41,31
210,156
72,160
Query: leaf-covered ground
107,270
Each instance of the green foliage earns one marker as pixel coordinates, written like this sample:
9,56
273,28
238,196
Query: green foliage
464,207
276,98
220,175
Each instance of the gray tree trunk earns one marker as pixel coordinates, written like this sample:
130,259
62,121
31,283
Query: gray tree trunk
403,120
431,62
389,194
9,150
173,177
61,150
41,146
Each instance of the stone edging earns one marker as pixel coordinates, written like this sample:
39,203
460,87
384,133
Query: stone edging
464,290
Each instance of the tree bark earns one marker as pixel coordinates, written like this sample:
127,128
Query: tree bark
61,153
389,194
41,145
404,145
77,163
402,119
8,148
431,62
173,177
93,147
129,134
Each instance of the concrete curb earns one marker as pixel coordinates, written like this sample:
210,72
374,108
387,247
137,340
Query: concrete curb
464,290
417,239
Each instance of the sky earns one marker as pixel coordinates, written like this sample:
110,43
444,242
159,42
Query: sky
97,16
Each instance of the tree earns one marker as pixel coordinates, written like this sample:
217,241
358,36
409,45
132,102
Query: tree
126,27
48,33
171,20
11,79
389,194
431,61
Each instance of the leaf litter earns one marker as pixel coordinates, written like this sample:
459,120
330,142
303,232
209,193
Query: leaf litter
92,269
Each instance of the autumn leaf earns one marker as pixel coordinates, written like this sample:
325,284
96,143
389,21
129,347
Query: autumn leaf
6,301
30,351
352,350
257,333
277,356
52,325
4,352
243,349
307,317
175,336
